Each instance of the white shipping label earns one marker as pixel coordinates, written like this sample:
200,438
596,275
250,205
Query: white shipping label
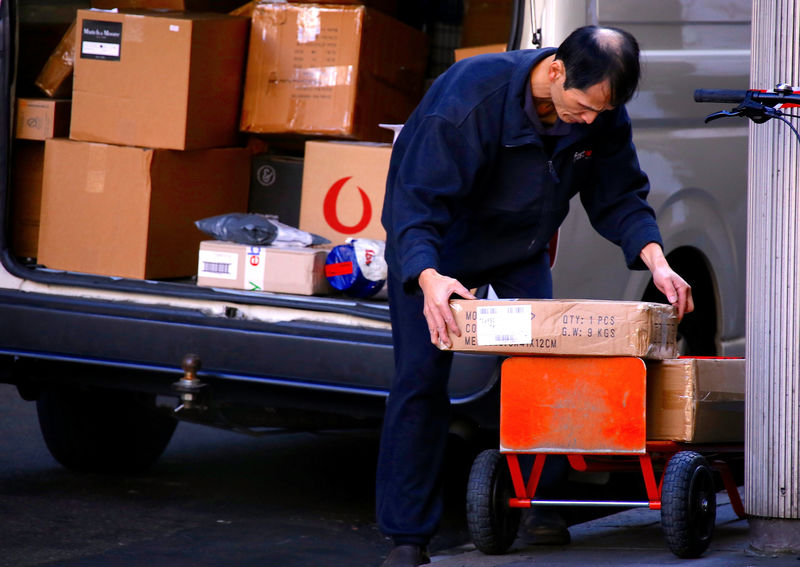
254,268
503,325
216,264
110,50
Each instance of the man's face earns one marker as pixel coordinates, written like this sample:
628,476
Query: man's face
575,105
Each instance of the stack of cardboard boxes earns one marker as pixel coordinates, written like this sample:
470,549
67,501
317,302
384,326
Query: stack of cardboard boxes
696,400
162,105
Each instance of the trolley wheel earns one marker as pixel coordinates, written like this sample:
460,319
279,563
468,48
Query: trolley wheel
688,504
491,522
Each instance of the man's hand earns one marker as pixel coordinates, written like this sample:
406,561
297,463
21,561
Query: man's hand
678,292
437,290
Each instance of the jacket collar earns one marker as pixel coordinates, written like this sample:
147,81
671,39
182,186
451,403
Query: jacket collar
517,127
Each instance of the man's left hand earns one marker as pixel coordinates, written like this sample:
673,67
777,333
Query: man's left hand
674,287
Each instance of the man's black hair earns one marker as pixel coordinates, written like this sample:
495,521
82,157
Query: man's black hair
592,54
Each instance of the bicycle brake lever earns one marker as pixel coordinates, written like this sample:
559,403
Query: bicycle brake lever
722,114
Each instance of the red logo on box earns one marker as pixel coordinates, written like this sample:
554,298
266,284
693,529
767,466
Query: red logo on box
329,209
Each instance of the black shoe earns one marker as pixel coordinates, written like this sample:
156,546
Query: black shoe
543,527
407,555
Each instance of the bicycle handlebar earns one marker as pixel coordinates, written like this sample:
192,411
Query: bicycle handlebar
734,96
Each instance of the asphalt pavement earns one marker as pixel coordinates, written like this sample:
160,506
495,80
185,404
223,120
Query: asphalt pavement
632,537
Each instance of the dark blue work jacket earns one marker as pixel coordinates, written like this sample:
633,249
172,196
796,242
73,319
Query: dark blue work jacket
471,190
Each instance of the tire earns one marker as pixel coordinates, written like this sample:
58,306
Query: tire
688,504
491,522
103,431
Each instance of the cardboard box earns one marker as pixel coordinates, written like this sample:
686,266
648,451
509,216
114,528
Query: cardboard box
275,185
696,400
262,268
26,196
486,22
343,188
386,6
55,78
465,52
175,5
130,212
40,118
566,327
166,80
331,70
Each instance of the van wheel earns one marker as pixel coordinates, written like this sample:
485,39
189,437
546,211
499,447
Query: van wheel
103,431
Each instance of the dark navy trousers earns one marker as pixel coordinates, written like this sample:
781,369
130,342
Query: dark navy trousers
417,419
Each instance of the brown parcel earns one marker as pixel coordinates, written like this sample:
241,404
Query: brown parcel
55,78
696,400
343,188
130,212
172,80
566,327
262,268
465,52
330,70
26,197
42,118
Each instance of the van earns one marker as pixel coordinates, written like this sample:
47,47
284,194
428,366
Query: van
115,358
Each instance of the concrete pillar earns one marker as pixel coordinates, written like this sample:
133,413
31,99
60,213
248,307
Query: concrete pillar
772,445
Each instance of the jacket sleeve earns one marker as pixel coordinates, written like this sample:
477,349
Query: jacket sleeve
435,172
617,200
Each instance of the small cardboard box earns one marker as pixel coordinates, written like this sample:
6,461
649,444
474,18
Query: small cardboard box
465,52
169,80
42,118
696,400
130,212
486,22
55,78
332,70
275,185
566,327
26,197
262,268
343,188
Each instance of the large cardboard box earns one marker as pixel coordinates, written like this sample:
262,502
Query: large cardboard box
275,185
696,400
41,118
566,327
262,268
330,70
26,196
130,212
343,188
169,80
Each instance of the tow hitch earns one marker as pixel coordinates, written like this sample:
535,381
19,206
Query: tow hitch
190,388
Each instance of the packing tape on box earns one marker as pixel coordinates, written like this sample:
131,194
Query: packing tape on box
357,268
96,166
309,25
330,76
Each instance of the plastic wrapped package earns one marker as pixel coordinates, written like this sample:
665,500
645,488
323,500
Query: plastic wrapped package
357,268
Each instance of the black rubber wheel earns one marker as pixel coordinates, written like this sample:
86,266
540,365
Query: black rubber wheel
103,431
491,522
688,504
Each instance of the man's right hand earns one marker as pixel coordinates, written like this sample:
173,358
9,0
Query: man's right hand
437,290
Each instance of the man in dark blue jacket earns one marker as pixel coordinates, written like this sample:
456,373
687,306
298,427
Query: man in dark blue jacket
480,180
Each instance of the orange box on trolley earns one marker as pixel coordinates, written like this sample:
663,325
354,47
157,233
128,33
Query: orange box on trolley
573,405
